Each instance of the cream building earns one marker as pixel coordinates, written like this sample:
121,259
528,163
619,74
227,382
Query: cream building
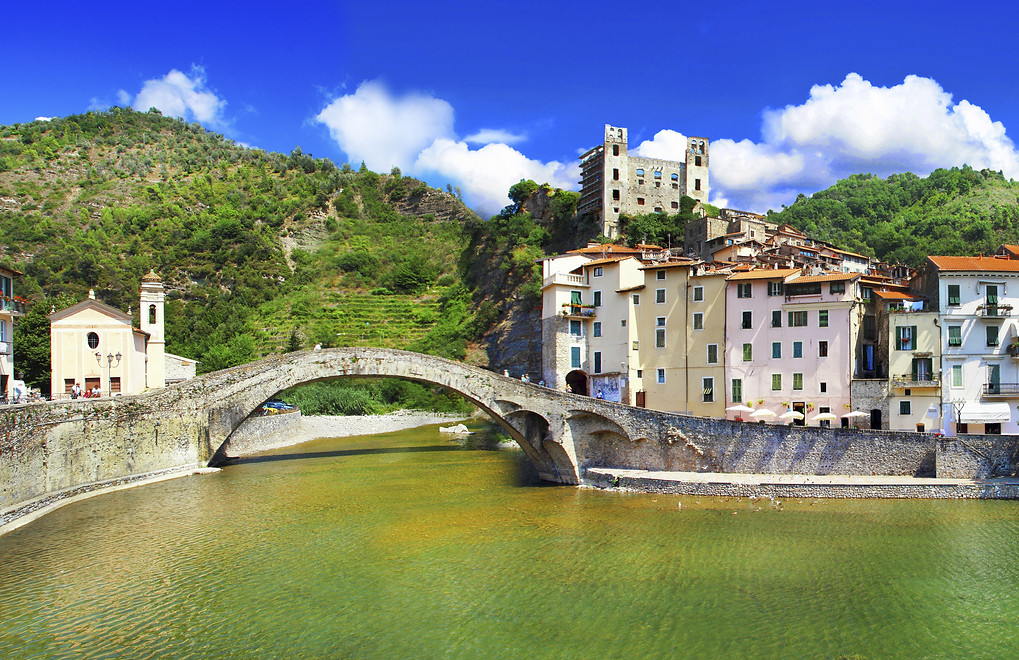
95,345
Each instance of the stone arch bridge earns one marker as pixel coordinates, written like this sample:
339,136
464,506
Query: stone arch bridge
51,450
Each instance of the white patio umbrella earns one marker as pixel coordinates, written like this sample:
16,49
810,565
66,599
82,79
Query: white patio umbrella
740,408
791,414
856,413
762,413
823,417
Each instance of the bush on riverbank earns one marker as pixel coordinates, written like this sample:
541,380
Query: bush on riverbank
372,397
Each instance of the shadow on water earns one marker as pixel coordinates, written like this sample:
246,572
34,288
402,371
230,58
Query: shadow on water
367,451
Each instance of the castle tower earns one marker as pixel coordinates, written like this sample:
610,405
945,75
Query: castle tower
151,321
697,169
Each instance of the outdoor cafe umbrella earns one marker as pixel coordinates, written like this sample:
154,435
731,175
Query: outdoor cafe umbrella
855,413
823,417
791,414
740,408
758,414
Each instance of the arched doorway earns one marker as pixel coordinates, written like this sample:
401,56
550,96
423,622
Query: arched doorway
576,381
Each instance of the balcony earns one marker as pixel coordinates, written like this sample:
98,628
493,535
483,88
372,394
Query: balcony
994,311
1001,390
14,305
578,311
916,381
567,279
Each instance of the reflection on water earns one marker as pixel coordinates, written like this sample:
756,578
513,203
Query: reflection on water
404,545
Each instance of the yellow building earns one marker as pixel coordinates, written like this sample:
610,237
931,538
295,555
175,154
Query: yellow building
96,346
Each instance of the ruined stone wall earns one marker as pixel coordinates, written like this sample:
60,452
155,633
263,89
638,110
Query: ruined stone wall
870,394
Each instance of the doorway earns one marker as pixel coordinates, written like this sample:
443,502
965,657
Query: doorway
576,382
800,407
875,419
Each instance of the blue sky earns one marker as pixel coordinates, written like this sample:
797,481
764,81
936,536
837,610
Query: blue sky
793,95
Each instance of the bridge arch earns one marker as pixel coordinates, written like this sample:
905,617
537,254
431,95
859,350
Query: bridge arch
514,405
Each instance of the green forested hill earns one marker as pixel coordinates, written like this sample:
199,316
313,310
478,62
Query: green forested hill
260,252
904,218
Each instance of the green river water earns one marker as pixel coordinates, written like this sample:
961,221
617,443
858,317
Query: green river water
407,546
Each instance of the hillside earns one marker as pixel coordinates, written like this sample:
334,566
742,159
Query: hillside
260,252
904,218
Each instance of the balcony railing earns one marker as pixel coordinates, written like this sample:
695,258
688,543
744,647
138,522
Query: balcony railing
917,380
994,311
583,311
1001,389
564,278
12,305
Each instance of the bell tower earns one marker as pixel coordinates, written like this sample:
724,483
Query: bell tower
150,313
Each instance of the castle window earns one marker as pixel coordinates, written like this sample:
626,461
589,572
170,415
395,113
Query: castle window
640,171
674,177
152,314
675,205
93,340
697,161
615,194
658,209
615,174
658,175
640,201
696,184
615,150
676,186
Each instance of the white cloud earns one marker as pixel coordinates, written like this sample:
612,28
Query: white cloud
178,95
665,145
490,135
373,126
415,132
43,119
486,174
858,127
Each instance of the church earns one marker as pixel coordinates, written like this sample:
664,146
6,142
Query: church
97,346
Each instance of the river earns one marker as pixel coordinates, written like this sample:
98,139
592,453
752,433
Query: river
407,546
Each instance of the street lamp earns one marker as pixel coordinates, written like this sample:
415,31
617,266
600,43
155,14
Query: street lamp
110,357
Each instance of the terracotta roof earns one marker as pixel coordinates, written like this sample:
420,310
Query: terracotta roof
985,264
151,277
766,274
632,288
646,246
896,295
830,277
607,248
669,264
606,260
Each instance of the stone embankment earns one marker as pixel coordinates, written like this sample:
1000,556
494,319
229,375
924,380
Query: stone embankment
800,485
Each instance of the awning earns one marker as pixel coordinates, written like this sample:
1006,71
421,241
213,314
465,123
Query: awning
975,412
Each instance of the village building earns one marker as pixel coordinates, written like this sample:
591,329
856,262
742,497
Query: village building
96,346
10,309
613,182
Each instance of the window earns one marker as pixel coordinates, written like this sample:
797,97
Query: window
597,299
961,428
737,390
992,295
748,352
615,174
660,322
152,317
575,328
597,271
797,381
636,298
744,289
776,350
675,205
640,171
3,330
905,338
658,175
622,323
992,335
776,382
806,289
659,274
822,349
904,407
674,176
597,362
837,287
708,389
640,201
114,384
93,340
824,387
640,373
866,293
776,318
635,345
575,357
748,320
774,288
659,296
615,150
698,321
923,369
797,349
615,194
955,335
697,161
956,375
953,295
698,294
797,319
870,327
822,318
696,184
596,330
712,353
659,337
660,375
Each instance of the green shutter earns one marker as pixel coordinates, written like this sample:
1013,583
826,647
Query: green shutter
953,294
992,294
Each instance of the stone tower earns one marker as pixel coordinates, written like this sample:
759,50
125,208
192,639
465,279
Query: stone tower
697,169
150,314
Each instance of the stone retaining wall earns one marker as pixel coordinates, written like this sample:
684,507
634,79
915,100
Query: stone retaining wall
261,432
978,456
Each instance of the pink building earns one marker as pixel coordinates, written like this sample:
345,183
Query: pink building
789,340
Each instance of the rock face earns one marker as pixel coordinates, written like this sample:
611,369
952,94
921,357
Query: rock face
514,344
438,204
